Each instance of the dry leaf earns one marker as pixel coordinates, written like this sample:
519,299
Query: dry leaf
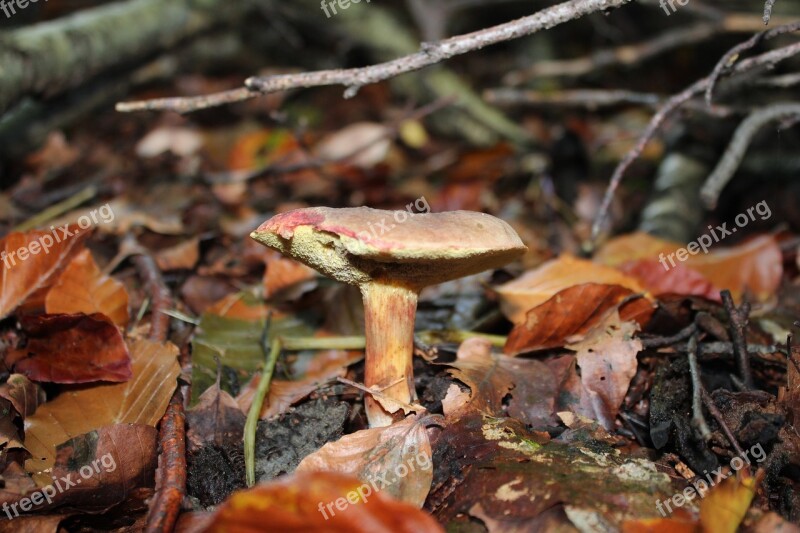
724,507
395,460
75,348
25,395
182,256
82,288
755,265
571,313
367,142
539,285
30,261
607,358
679,280
318,501
142,400
215,419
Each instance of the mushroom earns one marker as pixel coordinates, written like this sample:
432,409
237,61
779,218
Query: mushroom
391,256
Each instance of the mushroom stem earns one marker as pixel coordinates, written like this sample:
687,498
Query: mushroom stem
389,312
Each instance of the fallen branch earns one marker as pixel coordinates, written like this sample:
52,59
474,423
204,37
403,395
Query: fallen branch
767,59
430,54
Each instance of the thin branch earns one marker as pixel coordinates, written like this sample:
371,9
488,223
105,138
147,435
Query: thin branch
429,54
732,158
738,323
768,10
715,412
698,419
764,60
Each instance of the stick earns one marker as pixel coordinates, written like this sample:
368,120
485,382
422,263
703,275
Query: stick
698,419
430,54
738,322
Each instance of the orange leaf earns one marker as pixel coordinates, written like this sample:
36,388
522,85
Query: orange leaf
571,313
319,501
755,265
537,286
75,348
82,288
30,260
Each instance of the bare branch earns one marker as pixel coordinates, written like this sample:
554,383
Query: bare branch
429,54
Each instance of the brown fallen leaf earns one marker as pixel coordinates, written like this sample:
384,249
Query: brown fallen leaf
537,286
92,471
75,348
571,313
25,396
533,385
31,260
755,265
607,359
216,418
141,400
182,256
287,276
82,288
318,501
723,508
395,460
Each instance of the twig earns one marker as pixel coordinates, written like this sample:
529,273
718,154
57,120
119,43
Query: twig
738,322
590,98
712,408
171,481
658,342
698,419
163,514
732,158
768,10
706,348
733,54
271,353
766,59
429,54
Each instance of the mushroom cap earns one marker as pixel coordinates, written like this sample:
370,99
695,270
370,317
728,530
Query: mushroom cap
358,245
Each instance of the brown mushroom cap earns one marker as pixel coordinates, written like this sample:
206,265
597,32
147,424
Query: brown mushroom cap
361,244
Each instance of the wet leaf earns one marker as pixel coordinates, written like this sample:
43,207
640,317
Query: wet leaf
75,348
537,286
141,400
31,260
296,503
82,288
395,460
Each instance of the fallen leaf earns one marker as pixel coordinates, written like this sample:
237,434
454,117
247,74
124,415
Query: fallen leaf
25,395
537,286
607,359
285,275
216,418
182,256
319,501
237,343
179,141
723,508
82,288
679,280
75,348
571,313
365,144
141,400
755,265
25,269
395,460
